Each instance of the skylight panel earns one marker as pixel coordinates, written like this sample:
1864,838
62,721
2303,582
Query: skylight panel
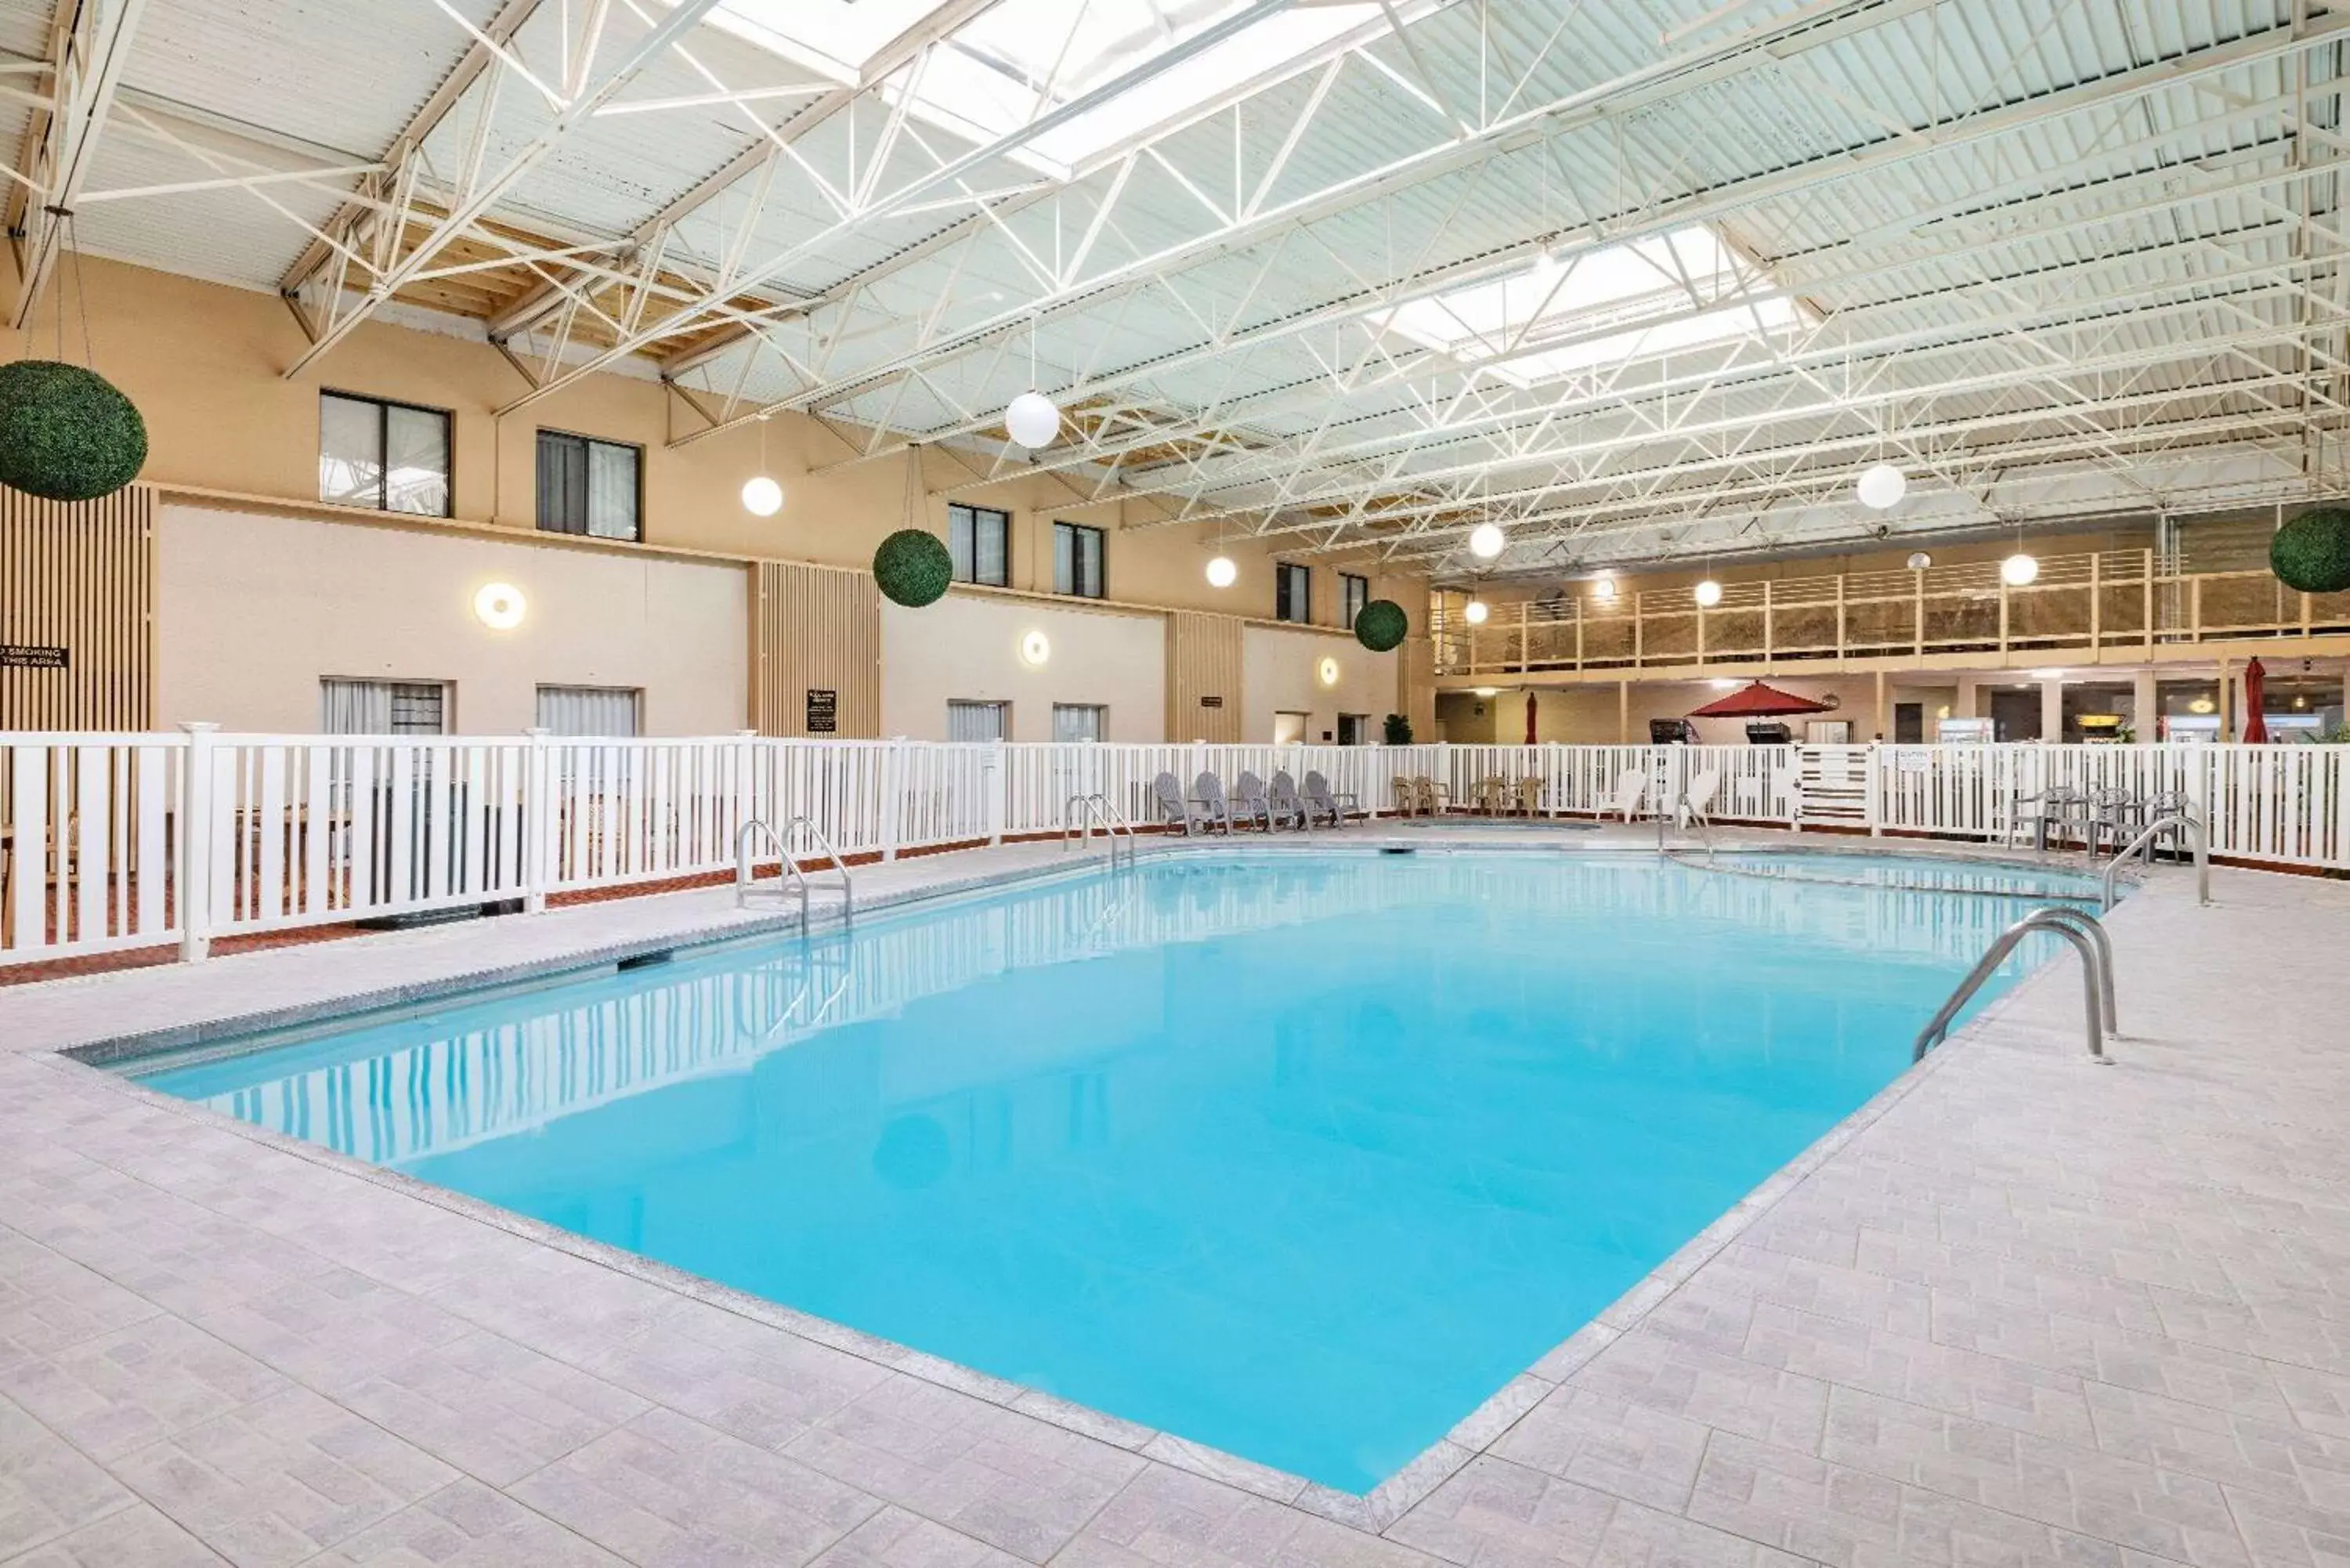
1674,293
1020,59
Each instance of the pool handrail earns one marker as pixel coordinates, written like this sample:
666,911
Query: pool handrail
1113,821
2087,937
2196,838
795,879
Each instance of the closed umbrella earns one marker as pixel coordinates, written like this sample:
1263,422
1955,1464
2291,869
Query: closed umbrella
2256,728
1530,717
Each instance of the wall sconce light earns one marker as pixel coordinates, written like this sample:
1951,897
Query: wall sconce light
500,606
1329,670
1035,648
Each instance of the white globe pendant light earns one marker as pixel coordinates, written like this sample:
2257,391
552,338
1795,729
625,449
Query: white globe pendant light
1486,541
762,496
1031,420
1603,586
1707,593
1920,561
1475,612
1882,486
2019,570
1222,573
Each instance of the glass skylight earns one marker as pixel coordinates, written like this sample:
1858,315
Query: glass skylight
1021,58
1673,293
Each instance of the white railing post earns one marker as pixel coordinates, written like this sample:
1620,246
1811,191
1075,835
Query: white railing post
1873,797
994,780
747,785
196,845
893,796
537,821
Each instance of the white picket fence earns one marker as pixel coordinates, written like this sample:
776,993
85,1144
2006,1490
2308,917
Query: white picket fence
147,840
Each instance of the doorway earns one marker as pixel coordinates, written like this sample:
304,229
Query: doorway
1909,723
1288,728
2015,714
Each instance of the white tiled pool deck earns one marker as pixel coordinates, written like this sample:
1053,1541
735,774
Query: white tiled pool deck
2020,1311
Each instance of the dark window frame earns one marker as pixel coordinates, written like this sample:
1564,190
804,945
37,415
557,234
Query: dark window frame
538,483
1354,592
1296,605
1098,588
1004,521
383,407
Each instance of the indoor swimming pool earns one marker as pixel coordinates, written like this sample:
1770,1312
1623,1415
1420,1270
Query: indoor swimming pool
1301,1157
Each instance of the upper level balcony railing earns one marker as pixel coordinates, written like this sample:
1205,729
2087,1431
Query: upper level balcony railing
2109,603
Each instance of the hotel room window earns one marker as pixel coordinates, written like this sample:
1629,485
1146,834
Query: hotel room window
980,540
393,457
383,706
1077,560
1293,592
588,486
1353,593
1079,721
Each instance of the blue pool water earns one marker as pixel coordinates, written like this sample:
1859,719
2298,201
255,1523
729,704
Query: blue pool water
1299,1158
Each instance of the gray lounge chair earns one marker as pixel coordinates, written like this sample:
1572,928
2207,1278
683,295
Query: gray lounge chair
1256,805
1319,798
1167,795
1208,793
1286,804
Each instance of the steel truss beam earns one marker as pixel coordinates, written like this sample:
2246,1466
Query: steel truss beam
89,46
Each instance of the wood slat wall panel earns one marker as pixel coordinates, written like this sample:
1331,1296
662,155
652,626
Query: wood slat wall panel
80,577
1203,660
820,627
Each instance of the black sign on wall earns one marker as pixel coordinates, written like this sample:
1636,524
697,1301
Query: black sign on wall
1211,701
30,656
823,712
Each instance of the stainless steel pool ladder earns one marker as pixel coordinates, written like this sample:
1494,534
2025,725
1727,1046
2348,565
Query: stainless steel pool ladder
1084,810
794,878
1673,815
2087,934
2200,840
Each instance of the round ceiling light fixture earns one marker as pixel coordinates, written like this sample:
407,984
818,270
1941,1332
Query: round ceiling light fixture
1035,648
762,496
1920,560
1486,541
1707,593
1222,573
2019,570
1031,420
1488,691
1603,586
1475,612
500,606
1882,486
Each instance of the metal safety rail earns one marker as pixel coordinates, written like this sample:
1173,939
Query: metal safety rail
1674,816
794,878
2200,840
1084,810
2087,936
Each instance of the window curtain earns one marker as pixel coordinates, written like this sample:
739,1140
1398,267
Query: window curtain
355,707
598,711
975,721
611,491
562,483
1078,722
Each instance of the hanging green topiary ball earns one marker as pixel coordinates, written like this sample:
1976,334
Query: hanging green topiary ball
2312,552
913,568
1382,625
65,433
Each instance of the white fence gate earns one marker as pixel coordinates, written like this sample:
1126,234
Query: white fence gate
146,840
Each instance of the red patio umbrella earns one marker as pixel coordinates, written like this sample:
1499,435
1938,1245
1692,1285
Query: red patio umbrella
1530,719
2256,728
1760,701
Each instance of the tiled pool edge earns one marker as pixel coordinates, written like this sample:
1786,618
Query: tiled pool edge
1371,1513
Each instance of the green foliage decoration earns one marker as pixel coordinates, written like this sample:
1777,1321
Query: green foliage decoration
2312,554
67,433
1381,625
913,568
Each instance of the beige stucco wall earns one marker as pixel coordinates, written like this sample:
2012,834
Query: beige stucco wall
1280,671
967,646
252,610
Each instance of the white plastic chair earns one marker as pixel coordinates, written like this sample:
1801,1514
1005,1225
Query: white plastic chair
1631,788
